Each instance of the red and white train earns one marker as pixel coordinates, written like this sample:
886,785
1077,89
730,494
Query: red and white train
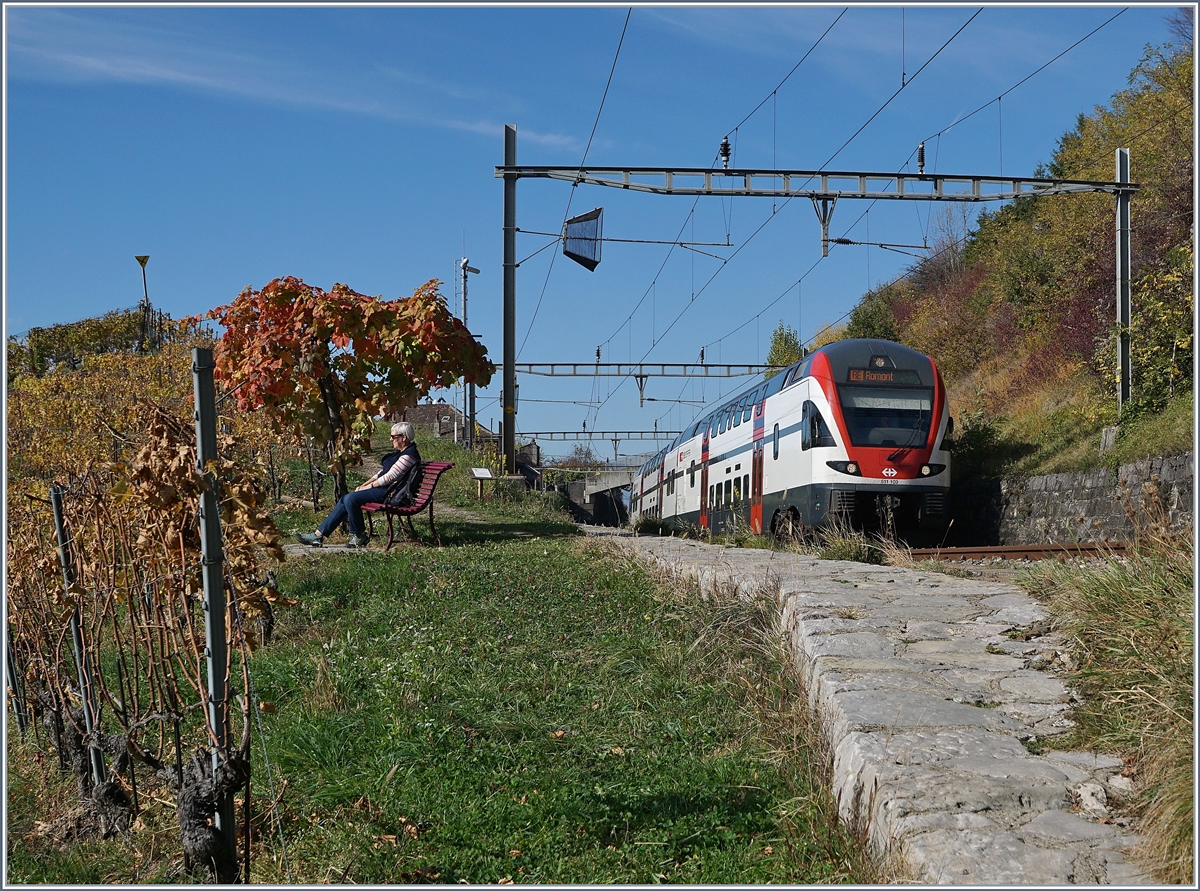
855,430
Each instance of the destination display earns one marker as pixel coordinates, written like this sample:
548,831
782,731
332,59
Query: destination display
884,376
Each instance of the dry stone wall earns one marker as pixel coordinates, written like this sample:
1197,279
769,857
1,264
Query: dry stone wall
1065,507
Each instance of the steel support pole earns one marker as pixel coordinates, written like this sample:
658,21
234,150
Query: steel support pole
1124,275
509,408
82,669
467,429
469,407
215,606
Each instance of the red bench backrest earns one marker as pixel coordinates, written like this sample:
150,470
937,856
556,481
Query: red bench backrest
430,471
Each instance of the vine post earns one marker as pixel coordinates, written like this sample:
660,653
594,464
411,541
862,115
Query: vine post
215,606
81,661
14,683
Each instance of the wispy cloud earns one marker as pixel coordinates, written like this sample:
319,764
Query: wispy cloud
995,42
123,46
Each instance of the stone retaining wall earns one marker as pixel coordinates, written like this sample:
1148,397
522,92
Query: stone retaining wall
1065,507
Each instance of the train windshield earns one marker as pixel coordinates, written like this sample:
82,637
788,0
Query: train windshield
885,416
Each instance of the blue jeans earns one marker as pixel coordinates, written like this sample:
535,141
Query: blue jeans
349,508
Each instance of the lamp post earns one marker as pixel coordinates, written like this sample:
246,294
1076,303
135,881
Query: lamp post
142,260
470,406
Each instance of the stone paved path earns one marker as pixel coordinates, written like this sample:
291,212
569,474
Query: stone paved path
927,687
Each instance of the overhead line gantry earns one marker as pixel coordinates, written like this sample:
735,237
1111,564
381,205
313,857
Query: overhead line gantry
824,188
640,371
580,435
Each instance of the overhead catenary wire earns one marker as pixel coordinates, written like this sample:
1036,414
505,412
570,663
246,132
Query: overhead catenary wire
772,216
954,243
571,194
1027,77
733,132
936,138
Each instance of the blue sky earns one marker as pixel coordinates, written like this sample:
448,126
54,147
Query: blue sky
237,144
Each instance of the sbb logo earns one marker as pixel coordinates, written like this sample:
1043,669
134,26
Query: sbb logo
889,472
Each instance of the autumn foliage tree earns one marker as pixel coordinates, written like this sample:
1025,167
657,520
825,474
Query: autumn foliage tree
326,363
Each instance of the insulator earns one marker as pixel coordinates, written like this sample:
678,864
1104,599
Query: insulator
921,158
725,152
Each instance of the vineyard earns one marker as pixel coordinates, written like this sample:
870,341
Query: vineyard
139,577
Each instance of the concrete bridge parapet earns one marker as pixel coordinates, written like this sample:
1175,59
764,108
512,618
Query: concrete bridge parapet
608,479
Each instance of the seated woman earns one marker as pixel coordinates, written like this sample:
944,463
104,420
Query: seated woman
395,467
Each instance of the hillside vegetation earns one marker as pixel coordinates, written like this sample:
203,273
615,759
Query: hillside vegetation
1019,309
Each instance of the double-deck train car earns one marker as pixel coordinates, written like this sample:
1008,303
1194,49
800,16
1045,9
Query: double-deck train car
855,430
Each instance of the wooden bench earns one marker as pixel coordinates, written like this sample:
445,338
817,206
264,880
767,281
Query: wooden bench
430,472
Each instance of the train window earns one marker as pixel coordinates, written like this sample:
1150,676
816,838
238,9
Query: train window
893,417
748,411
814,432
728,491
821,436
692,475
710,497
775,448
737,490
746,484
737,414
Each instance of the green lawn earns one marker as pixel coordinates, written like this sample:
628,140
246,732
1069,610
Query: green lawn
528,709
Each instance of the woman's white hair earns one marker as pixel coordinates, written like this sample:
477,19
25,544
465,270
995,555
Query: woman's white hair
405,428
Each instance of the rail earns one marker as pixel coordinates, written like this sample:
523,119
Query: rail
1025,552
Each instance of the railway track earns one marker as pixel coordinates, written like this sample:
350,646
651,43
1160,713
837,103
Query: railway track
1023,552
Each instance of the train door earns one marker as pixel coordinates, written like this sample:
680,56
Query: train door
680,486
704,482
801,459
756,471
662,493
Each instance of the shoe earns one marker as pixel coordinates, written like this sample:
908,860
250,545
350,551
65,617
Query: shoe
357,541
309,538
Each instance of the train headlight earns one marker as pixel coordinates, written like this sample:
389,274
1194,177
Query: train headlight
932,469
849,467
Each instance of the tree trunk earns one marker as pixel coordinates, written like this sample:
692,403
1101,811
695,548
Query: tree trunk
333,417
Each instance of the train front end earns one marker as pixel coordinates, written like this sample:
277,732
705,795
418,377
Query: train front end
892,470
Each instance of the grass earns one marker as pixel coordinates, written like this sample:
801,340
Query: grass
835,541
1169,432
1130,623
527,710
1057,428
896,554
519,705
